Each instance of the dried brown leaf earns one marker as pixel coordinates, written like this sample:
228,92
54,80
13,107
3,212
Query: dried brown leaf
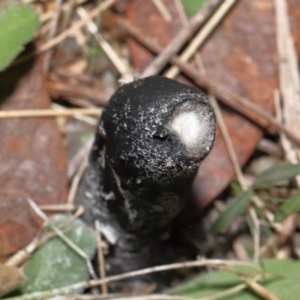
32,157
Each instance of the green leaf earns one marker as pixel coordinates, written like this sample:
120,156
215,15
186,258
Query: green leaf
231,211
285,284
192,6
55,264
18,22
290,206
273,175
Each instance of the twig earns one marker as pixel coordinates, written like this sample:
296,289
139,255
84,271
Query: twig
69,32
109,51
204,32
289,80
30,113
58,207
180,39
185,22
256,234
76,180
92,283
270,147
19,257
76,160
58,88
237,169
238,103
101,261
239,174
22,255
59,233
65,8
260,290
181,12
162,10
53,29
228,142
84,118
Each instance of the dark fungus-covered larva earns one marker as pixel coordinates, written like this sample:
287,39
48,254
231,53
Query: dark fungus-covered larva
152,136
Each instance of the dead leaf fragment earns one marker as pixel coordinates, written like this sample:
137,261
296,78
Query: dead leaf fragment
10,279
240,55
32,157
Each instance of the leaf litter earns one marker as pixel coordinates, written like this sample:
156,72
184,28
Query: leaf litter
239,54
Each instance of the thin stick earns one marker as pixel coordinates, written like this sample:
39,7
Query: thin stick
76,160
202,35
58,207
185,22
238,103
69,32
256,234
65,8
162,10
93,283
76,181
53,29
180,39
59,87
239,174
260,290
237,169
84,118
22,255
101,260
105,46
228,142
59,233
19,257
30,113
289,80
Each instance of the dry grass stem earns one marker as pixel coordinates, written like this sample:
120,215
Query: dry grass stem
101,259
58,207
289,81
33,113
65,9
163,10
270,216
260,290
84,118
228,142
77,159
239,174
76,181
59,233
105,46
53,29
92,283
22,255
269,147
202,35
256,234
163,56
181,12
124,297
236,102
68,32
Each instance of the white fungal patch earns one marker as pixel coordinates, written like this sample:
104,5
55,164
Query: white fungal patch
187,127
192,122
